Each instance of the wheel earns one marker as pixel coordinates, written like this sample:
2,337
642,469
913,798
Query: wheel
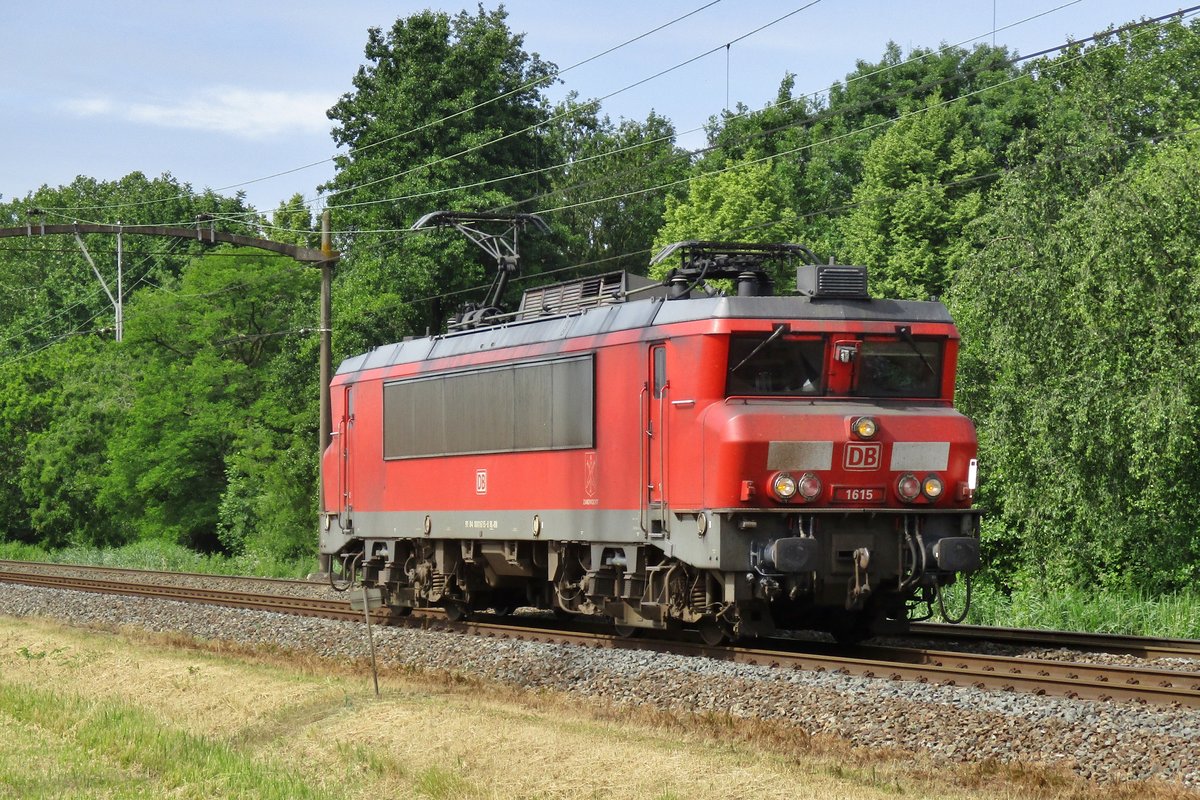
851,629
456,612
626,631
712,631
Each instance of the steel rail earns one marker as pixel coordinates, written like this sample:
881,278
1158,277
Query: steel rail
1140,646
150,574
1067,679
1148,648
231,599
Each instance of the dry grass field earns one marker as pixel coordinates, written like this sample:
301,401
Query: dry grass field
103,714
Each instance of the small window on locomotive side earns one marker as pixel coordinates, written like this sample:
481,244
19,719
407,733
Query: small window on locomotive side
521,407
660,370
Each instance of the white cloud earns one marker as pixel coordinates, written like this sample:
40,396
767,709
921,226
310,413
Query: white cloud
243,113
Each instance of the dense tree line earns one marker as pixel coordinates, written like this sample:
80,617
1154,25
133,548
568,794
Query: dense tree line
1049,202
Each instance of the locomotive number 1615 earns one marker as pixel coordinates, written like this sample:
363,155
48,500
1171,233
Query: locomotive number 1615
858,494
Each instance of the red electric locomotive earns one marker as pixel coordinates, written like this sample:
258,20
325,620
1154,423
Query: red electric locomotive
735,463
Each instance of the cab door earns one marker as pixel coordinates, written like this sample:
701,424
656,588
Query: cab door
655,442
345,435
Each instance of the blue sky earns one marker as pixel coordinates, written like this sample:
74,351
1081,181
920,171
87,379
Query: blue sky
222,94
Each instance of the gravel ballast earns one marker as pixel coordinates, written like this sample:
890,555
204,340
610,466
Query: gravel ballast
1101,741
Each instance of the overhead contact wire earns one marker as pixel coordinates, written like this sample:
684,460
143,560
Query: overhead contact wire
477,106
699,151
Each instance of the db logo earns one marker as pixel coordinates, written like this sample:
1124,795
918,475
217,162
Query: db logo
481,481
863,456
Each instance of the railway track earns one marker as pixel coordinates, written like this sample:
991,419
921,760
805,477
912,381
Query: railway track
1148,648
1141,683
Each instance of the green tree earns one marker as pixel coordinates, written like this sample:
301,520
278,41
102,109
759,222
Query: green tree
746,202
1082,346
292,223
916,195
58,407
65,393
1077,323
861,108
64,463
421,135
603,225
55,291
780,127
201,399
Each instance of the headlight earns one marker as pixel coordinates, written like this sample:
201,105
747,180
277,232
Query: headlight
809,487
932,487
784,486
908,488
864,427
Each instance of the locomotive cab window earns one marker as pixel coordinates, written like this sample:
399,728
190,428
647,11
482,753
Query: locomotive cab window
774,364
899,368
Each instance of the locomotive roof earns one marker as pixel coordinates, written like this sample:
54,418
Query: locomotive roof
642,314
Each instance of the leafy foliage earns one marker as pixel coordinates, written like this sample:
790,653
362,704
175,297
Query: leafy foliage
916,195
1074,307
746,201
421,138
1085,331
607,189
1053,205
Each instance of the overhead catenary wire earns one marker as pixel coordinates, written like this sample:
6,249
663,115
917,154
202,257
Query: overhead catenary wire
819,117
585,266
90,297
810,95
541,123
1153,139
829,210
807,96
702,150
24,354
883,123
262,225
564,114
659,140
143,280
831,113
524,87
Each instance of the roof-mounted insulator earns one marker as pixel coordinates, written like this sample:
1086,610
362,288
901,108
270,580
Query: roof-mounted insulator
742,262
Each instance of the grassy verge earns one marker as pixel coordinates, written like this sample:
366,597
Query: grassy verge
83,747
94,714
162,556
1092,611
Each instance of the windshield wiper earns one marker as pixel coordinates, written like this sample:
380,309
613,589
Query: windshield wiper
775,334
905,333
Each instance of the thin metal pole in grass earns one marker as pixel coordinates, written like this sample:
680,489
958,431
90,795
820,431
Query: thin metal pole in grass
371,641
371,599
